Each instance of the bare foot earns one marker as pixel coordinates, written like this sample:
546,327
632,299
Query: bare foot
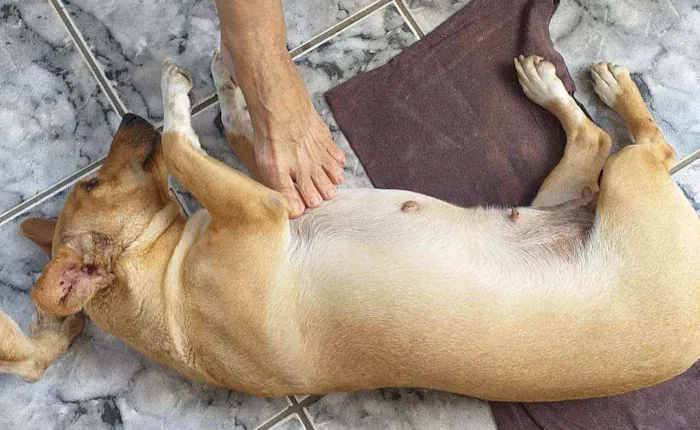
294,151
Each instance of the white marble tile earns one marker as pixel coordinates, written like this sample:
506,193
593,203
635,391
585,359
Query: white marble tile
431,13
101,382
131,38
365,46
53,118
307,18
688,179
394,408
658,41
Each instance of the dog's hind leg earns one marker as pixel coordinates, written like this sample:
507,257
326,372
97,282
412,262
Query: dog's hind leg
234,114
29,357
223,191
616,89
587,146
645,221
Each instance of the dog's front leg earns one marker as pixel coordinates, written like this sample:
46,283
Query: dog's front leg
223,191
29,357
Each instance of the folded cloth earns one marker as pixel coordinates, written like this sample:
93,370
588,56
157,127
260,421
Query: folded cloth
447,116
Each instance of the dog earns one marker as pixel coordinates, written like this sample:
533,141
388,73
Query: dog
592,291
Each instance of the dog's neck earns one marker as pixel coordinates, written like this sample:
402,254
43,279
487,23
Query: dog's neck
129,309
159,223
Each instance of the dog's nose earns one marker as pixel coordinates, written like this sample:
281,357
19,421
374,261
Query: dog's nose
131,118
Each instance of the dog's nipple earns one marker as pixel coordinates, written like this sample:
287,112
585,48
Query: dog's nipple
410,207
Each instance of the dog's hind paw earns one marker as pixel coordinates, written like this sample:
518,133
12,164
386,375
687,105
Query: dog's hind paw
234,110
539,80
608,81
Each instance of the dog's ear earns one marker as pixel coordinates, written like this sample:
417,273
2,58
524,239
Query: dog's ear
68,283
39,231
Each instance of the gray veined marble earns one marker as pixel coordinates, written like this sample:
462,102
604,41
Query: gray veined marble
307,18
431,13
131,38
53,118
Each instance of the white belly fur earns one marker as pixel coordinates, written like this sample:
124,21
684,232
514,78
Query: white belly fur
454,299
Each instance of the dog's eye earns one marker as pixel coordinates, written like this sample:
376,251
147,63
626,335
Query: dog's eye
90,184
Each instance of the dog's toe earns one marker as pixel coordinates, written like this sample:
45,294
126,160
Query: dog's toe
175,77
608,80
538,78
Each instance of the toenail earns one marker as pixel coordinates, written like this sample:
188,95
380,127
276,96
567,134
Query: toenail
330,192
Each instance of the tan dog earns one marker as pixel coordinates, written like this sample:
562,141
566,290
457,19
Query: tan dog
386,288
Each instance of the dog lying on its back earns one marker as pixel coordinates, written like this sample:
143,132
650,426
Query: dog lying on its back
566,299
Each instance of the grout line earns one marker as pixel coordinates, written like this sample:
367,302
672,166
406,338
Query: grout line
297,407
277,418
306,420
687,161
303,413
410,20
337,29
50,192
205,104
89,57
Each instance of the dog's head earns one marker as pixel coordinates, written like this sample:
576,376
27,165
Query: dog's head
100,218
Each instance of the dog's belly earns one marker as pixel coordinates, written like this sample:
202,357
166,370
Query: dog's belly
490,303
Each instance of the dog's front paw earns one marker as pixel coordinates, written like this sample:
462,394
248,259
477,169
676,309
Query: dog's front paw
609,80
539,80
174,79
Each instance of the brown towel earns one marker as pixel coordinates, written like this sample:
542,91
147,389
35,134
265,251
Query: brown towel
447,118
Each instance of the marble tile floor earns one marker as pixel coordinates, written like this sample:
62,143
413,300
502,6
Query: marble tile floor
72,68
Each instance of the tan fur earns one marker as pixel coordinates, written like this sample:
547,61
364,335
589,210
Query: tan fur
391,288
